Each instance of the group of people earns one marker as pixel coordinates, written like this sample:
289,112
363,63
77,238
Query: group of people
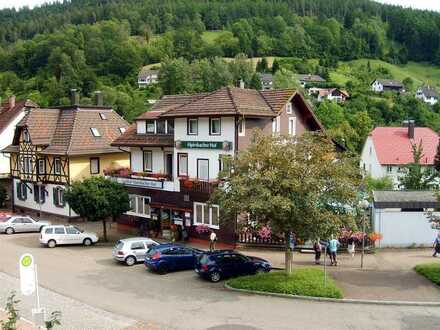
331,247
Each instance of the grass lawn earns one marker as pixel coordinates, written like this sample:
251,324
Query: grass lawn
302,282
430,271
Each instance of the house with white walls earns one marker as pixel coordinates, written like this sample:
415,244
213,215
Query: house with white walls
388,149
147,77
387,85
178,149
427,94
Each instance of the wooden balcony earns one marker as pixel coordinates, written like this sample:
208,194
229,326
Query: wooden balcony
196,186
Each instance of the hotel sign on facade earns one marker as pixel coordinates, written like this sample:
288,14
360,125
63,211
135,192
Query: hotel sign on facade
225,145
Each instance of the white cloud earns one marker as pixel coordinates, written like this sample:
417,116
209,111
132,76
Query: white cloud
419,4
22,3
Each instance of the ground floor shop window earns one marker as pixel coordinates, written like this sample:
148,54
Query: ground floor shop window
140,206
207,215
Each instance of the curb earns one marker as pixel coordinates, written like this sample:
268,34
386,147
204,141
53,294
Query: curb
341,301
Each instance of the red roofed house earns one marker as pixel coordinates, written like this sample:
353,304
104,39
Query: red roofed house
388,149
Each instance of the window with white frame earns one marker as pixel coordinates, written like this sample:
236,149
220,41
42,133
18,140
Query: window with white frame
141,127
148,161
95,132
192,126
94,165
26,165
208,215
182,164
41,166
214,126
26,137
276,125
140,206
289,108
103,116
57,166
292,126
389,169
151,126
242,127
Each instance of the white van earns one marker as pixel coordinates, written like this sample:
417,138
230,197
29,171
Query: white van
52,236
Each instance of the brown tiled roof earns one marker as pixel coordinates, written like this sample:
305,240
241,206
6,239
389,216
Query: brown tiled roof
67,131
278,98
131,139
153,114
224,101
169,102
8,113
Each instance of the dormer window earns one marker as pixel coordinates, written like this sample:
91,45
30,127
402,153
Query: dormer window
122,130
103,116
95,132
151,126
26,137
141,129
160,126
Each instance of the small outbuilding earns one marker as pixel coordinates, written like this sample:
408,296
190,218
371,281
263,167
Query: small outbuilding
401,218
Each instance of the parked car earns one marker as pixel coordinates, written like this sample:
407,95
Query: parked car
132,250
11,224
221,264
52,236
163,258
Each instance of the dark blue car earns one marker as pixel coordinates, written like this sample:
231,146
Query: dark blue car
164,258
217,265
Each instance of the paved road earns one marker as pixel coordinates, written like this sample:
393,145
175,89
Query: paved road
183,301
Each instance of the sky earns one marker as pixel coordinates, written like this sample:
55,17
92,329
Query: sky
422,4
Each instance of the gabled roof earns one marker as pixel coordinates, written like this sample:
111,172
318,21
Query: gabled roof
227,101
394,147
310,78
8,113
67,130
429,91
405,199
390,83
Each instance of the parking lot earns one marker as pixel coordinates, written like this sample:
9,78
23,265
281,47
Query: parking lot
183,301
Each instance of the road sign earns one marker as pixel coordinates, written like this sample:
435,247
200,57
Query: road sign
27,274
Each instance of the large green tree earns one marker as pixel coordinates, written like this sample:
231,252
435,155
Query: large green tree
98,199
292,184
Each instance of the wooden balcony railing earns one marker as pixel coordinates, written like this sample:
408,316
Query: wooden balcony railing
191,185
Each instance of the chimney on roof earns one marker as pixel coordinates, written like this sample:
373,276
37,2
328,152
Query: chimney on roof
411,128
74,96
241,84
12,101
99,98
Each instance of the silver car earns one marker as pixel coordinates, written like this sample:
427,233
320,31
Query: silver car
52,236
132,250
21,224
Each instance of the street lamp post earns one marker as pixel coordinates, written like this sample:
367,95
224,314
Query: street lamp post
364,205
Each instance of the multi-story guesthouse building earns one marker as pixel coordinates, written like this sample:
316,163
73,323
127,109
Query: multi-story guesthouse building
53,147
388,149
178,149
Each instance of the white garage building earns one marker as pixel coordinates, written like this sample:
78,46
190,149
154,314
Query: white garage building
400,216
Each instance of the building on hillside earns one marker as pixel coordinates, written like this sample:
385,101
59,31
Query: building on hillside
53,147
401,218
427,94
178,149
388,149
329,94
266,81
147,77
385,85
305,79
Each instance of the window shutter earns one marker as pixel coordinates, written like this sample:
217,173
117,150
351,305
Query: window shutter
63,201
55,196
23,186
36,193
43,195
19,190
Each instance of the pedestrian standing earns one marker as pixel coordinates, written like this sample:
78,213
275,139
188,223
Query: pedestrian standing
351,246
292,241
436,246
333,248
212,240
317,248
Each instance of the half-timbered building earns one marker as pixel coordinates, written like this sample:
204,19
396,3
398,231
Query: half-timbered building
54,147
178,149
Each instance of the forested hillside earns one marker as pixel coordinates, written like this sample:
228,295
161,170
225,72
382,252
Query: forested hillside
102,44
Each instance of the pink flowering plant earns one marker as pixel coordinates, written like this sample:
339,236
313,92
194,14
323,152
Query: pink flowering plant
202,229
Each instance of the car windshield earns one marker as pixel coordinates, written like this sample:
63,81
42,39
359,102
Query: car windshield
80,230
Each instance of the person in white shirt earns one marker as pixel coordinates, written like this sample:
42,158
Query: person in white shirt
212,240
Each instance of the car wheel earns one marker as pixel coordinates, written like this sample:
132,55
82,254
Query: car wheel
215,277
130,261
87,242
51,243
163,269
9,231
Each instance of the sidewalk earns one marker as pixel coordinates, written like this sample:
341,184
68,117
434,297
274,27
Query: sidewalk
387,274
21,324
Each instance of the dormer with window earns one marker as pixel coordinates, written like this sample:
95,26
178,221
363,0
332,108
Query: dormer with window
155,126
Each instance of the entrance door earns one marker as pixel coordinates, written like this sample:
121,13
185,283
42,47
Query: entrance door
203,169
169,164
